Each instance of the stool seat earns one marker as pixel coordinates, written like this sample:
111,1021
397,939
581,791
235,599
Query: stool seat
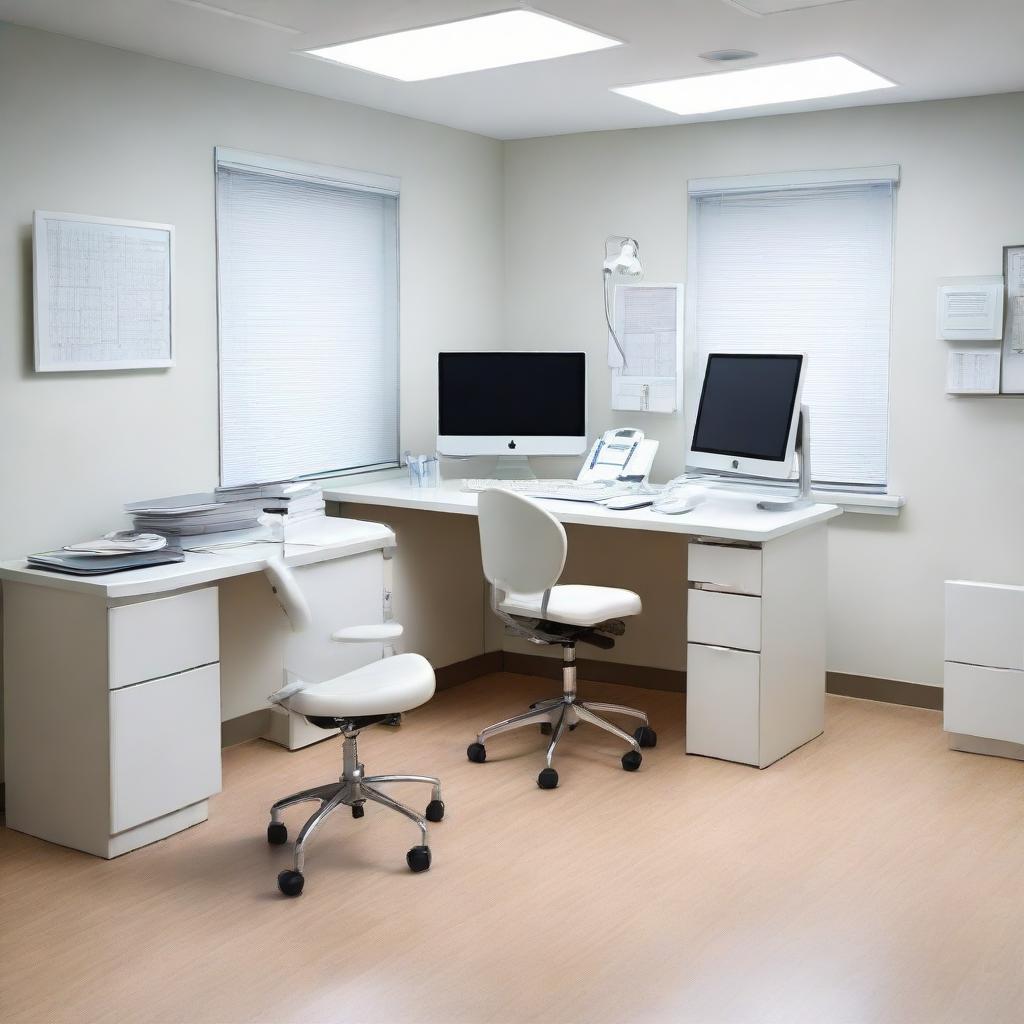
575,605
384,687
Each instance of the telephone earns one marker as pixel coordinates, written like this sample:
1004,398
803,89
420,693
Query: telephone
622,454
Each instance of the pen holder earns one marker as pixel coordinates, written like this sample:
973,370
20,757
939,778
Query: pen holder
424,470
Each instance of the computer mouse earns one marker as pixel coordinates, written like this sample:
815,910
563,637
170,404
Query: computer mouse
624,502
677,504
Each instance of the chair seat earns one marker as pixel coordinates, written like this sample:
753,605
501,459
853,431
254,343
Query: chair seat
575,605
384,687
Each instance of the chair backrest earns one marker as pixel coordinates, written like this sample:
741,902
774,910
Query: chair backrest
522,545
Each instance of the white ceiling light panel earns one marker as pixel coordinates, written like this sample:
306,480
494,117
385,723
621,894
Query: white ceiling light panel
474,44
756,87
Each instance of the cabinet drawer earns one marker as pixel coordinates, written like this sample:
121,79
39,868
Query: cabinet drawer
722,703
164,746
987,702
157,638
726,620
731,568
985,624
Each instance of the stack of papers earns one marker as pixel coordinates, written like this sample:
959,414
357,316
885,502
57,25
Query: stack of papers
192,515
226,509
304,499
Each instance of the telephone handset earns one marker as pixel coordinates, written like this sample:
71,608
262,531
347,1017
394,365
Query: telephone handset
622,454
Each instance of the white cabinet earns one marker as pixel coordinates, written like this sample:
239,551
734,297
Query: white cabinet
983,698
755,665
164,746
722,703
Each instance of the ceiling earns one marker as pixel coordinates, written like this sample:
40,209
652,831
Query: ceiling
931,48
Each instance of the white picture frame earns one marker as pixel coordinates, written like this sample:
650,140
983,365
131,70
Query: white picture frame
970,308
103,293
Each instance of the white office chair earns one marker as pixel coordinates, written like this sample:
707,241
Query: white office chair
352,702
523,548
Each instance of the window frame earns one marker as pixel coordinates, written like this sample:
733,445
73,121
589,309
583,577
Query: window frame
864,498
299,170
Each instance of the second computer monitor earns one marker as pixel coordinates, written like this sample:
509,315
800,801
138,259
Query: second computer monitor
511,403
748,414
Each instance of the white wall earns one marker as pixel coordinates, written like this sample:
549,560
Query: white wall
958,461
94,130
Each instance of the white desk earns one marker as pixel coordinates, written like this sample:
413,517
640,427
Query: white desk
115,686
755,607
727,515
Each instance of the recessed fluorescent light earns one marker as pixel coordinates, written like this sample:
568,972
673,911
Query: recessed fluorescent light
490,41
758,87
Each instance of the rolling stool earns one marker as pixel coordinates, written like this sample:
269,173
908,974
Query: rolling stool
352,702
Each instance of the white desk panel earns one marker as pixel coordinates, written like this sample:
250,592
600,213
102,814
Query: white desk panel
727,515
316,541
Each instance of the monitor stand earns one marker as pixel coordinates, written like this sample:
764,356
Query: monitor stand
514,467
803,449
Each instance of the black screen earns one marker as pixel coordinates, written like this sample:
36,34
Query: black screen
512,394
746,405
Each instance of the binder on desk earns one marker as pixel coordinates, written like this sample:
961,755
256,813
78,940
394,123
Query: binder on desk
99,565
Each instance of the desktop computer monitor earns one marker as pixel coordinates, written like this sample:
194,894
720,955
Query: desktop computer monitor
511,403
748,414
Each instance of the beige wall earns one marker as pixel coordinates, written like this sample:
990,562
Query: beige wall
957,461
89,129
93,130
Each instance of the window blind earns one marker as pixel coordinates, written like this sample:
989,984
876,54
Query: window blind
806,268
308,322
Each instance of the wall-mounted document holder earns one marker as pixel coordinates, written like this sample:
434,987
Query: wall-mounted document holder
1013,331
647,375
969,312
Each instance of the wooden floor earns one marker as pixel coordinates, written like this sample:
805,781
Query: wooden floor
872,876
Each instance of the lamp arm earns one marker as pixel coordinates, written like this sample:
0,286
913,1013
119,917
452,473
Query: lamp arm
608,317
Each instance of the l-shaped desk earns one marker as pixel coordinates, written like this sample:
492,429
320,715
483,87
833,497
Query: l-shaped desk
756,606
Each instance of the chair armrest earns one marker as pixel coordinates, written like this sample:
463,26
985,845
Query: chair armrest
368,634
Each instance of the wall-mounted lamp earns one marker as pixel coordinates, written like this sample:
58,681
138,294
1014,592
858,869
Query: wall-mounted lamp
621,259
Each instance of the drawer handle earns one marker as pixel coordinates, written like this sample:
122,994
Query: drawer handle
717,647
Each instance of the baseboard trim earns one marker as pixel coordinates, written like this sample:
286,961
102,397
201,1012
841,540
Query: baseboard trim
472,668
244,728
643,676
888,691
842,684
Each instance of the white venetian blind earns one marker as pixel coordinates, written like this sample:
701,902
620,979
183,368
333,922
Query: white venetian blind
805,268
308,307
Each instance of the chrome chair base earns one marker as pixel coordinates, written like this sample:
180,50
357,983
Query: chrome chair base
354,789
563,714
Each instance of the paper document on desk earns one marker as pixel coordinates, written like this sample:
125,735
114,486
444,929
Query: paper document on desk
648,320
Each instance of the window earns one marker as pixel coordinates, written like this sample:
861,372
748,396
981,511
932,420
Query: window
803,263
307,276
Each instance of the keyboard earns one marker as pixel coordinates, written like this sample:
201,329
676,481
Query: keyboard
562,490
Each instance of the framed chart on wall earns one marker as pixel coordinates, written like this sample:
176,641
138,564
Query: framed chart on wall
1013,332
103,292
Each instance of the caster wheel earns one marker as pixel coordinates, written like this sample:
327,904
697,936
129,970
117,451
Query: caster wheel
290,882
358,810
418,858
435,810
646,736
631,760
545,728
548,779
392,720
277,834
476,752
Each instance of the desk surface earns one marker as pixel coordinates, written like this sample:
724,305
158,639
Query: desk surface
318,540
727,515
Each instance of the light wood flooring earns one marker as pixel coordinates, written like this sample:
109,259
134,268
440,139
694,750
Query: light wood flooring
872,876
